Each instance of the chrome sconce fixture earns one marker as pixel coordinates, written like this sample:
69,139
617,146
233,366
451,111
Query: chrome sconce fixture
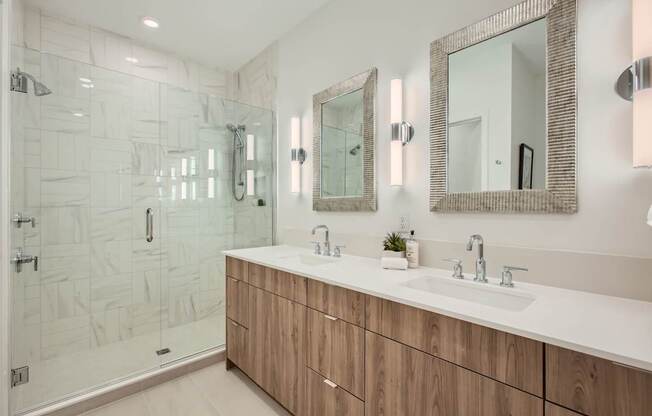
635,83
402,132
297,155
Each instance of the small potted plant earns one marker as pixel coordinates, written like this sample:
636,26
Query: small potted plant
393,245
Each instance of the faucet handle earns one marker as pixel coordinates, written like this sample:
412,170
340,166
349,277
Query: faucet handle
337,252
457,268
317,247
506,280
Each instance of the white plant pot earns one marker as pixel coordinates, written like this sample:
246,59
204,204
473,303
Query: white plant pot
389,253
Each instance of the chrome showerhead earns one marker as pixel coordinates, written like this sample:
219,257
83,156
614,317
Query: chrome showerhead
234,128
19,83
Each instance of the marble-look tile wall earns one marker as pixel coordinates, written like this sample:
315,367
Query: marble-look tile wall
255,85
256,81
114,139
86,44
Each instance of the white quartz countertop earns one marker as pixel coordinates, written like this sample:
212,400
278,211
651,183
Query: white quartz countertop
612,328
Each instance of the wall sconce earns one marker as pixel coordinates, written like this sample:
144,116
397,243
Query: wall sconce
635,83
298,155
402,133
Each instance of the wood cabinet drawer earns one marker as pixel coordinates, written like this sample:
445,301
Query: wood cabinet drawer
336,301
335,349
237,344
403,381
237,301
510,359
281,283
554,410
325,398
596,387
277,339
236,268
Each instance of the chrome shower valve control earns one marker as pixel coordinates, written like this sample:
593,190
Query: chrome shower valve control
21,258
506,280
19,219
457,268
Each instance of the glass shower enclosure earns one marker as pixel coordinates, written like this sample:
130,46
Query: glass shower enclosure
130,183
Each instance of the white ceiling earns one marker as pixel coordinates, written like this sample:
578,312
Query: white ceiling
222,33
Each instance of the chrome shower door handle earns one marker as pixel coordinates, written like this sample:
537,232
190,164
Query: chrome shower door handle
149,225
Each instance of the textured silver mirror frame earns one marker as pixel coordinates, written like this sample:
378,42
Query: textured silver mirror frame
560,195
367,81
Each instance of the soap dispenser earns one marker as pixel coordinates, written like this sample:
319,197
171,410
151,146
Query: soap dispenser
412,251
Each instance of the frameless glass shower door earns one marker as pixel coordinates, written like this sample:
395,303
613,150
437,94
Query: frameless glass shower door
130,184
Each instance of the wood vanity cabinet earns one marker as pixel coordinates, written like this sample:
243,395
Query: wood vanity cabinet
276,360
337,301
335,350
236,268
596,387
237,344
403,381
280,283
554,410
508,358
327,399
237,301
322,350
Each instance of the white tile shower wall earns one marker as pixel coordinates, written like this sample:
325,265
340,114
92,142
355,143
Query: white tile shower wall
62,37
87,164
256,81
344,38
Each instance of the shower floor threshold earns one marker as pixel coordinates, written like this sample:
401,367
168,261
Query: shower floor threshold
114,391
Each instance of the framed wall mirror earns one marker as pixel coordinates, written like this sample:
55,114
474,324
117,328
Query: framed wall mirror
503,112
344,145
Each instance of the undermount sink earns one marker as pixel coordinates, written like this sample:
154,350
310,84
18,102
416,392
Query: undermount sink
484,294
311,259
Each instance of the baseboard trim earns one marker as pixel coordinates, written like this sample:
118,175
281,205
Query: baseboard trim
111,393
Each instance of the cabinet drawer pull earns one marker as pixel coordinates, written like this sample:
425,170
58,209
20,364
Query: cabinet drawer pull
330,383
235,324
332,318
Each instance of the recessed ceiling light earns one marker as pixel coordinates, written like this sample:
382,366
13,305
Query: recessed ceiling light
85,80
151,22
131,59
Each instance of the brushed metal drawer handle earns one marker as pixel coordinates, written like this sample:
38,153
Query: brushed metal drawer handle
332,318
629,367
235,324
330,383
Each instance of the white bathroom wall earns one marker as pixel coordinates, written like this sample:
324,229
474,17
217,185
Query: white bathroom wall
480,86
345,38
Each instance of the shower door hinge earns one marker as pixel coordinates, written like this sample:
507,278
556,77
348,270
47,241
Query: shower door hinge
19,376
163,351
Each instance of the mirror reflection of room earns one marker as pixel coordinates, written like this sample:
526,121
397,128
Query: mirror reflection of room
497,113
342,146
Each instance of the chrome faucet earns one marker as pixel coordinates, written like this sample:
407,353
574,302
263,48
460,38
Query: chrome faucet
327,244
480,263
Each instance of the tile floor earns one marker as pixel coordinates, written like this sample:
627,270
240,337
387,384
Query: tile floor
211,391
59,377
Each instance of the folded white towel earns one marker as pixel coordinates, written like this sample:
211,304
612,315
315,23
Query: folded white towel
394,263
